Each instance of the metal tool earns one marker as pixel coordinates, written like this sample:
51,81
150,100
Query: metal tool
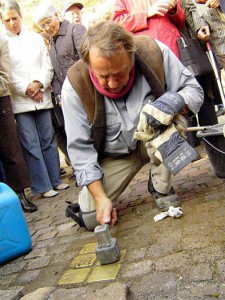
210,130
107,250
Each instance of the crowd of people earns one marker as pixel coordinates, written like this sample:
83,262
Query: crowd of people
123,96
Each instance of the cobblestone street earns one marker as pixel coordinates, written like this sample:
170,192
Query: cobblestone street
170,259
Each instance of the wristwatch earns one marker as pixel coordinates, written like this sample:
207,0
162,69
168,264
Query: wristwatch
40,84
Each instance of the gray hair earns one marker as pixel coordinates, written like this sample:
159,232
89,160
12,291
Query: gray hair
110,38
43,11
7,5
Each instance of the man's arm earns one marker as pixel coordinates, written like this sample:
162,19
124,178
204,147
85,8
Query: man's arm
194,19
83,155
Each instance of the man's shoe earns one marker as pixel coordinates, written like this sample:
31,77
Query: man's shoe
163,201
27,206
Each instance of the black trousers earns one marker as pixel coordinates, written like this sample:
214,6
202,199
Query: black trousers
17,176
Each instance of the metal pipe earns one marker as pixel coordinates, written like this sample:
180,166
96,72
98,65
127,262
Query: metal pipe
215,70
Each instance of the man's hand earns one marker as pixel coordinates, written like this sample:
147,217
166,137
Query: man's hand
204,34
105,213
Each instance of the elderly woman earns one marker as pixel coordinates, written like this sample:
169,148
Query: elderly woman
31,101
64,52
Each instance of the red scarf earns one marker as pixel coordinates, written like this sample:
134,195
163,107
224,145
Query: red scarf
104,92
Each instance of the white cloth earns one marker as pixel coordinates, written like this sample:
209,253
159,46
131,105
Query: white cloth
30,61
175,212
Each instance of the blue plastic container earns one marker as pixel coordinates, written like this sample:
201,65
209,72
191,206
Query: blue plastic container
15,238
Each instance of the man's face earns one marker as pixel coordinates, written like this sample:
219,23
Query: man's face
73,14
112,74
50,25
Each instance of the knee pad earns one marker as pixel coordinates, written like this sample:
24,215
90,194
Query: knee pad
83,219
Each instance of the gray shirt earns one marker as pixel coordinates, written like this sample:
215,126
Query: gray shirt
122,117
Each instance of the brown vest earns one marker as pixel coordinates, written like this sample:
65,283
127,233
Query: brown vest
148,59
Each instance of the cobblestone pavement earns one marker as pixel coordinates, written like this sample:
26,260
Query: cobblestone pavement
171,259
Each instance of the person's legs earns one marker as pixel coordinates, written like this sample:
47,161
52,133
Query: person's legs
17,176
48,146
62,141
16,172
118,173
29,139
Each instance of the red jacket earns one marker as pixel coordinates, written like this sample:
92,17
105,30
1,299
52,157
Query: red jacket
132,14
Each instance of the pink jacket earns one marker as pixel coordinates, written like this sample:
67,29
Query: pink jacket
132,14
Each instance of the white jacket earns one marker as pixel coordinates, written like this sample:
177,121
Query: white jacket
29,61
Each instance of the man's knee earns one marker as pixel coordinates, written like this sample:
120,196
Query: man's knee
89,220
83,219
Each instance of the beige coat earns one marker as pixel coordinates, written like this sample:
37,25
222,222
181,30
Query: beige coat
5,67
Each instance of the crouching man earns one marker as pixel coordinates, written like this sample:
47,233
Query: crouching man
104,94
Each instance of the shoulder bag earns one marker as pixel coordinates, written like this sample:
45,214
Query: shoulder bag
57,114
193,56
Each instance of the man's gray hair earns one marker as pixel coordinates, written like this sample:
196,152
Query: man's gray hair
110,38
42,11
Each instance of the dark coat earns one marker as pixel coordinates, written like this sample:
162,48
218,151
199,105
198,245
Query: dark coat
64,51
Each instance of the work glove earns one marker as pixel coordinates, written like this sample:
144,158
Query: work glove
166,141
171,149
145,133
161,111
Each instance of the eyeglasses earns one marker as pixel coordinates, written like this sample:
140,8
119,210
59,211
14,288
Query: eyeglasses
47,23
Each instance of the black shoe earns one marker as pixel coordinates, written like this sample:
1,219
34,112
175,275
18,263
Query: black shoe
163,201
27,206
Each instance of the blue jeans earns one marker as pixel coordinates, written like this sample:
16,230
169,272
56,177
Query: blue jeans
40,150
